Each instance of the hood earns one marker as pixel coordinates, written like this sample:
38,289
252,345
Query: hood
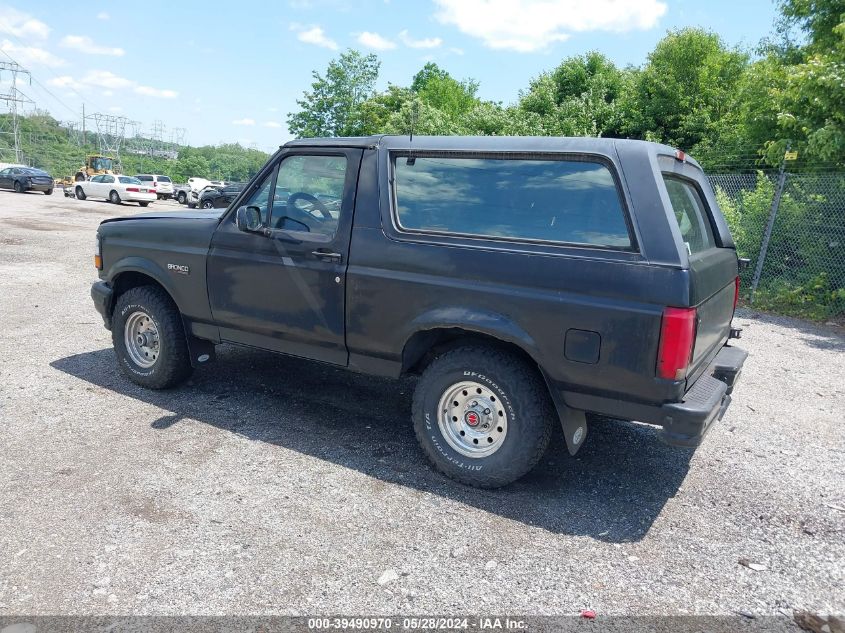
199,214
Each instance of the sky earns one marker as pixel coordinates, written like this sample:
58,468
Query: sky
232,72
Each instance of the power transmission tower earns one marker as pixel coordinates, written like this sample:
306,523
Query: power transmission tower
73,132
177,135
157,138
10,138
111,133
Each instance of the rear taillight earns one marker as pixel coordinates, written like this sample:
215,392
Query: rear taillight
135,189
677,339
736,292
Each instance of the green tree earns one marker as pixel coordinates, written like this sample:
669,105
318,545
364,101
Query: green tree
685,89
438,89
333,106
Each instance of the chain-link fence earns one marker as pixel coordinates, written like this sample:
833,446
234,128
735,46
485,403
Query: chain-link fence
792,227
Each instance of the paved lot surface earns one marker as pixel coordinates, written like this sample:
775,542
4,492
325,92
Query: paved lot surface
272,485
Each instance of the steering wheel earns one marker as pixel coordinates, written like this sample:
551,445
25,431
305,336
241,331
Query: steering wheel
316,204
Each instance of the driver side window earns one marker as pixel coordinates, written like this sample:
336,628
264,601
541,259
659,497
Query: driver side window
259,197
309,194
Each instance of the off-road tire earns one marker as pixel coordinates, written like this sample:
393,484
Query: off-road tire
173,365
114,197
80,194
519,388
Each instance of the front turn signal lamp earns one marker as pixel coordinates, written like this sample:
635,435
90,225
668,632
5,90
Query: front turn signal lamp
98,255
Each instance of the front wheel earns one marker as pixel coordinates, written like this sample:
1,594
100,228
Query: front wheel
483,416
149,339
18,187
49,192
181,198
114,197
143,204
208,204
80,193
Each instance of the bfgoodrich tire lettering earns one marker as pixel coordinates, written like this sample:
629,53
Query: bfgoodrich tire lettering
518,389
172,365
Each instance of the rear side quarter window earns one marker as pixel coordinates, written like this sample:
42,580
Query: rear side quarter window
690,213
566,201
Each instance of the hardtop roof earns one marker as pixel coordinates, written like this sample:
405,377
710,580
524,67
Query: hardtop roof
526,144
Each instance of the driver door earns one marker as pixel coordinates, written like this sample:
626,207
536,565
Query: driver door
284,289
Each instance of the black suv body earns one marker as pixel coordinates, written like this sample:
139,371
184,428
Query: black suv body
525,279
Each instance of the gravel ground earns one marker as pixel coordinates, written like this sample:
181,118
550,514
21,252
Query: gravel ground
271,485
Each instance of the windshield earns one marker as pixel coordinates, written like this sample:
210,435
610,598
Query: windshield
129,180
101,164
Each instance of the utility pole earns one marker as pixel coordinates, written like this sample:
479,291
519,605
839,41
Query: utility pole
10,131
83,125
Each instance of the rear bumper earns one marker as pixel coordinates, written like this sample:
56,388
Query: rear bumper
39,186
686,422
102,295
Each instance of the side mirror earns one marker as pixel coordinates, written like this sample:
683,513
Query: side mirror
249,219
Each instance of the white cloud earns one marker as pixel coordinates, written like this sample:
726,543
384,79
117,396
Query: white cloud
61,82
427,42
375,41
31,55
111,82
530,25
244,121
272,124
314,35
161,93
102,15
85,44
457,51
106,79
21,24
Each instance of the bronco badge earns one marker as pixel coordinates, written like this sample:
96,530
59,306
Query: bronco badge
179,268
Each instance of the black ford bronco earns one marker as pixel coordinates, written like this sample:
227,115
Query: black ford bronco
527,281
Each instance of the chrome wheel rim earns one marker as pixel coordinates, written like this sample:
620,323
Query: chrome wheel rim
140,335
472,419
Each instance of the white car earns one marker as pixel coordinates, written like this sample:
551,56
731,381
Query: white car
115,189
162,184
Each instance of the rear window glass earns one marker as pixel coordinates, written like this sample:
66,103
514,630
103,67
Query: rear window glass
163,179
691,214
129,180
565,201
145,178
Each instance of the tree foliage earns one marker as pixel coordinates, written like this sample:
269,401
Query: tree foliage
333,106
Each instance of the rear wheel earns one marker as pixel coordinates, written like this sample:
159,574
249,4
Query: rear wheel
144,204
181,198
49,192
149,339
114,197
18,187
80,194
483,416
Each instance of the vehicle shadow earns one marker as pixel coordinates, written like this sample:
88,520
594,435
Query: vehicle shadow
613,490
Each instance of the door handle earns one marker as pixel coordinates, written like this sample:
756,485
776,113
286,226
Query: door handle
327,256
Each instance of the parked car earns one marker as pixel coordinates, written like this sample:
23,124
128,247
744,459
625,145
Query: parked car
162,184
219,197
519,277
180,193
23,179
115,189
